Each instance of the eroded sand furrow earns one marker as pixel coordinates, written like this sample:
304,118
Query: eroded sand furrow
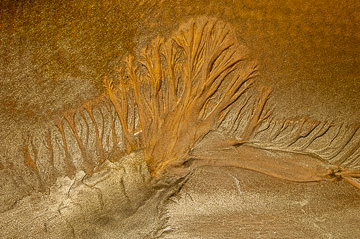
339,144
79,141
84,138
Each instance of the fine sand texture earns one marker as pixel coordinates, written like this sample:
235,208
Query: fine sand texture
179,119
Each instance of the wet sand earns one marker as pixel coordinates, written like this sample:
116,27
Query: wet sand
54,57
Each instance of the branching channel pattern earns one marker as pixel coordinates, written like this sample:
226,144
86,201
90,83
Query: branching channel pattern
183,88
189,101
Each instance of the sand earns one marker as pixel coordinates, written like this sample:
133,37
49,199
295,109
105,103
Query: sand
53,59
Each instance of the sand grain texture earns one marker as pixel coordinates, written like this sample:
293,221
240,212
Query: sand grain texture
64,169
